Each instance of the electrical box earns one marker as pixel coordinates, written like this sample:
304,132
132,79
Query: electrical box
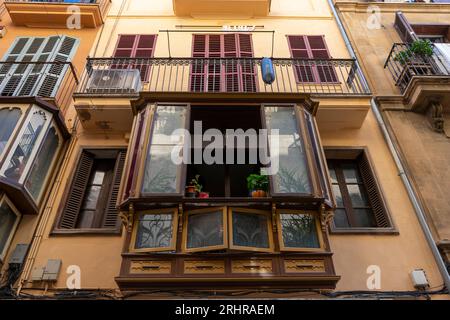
419,279
51,270
19,254
37,274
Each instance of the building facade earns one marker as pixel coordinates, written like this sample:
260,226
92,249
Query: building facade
121,216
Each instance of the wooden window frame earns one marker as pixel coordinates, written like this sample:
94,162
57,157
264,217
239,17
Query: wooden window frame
299,249
352,153
5,199
57,230
205,211
267,214
173,240
23,115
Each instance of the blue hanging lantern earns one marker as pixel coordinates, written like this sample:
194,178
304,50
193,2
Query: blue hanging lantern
267,71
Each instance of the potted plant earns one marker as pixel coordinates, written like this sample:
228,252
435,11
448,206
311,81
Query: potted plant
190,190
258,185
198,187
421,49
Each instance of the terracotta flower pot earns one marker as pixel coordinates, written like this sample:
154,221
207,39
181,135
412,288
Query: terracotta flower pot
190,189
258,194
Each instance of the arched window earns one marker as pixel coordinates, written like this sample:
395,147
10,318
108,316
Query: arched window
8,122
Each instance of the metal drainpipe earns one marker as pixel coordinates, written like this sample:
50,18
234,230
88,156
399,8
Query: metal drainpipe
418,209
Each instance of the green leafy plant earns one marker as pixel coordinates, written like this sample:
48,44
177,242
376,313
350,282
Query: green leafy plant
419,48
257,182
196,183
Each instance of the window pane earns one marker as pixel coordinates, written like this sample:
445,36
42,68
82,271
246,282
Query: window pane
8,121
299,231
25,147
250,230
351,172
154,231
42,164
86,219
364,218
167,120
7,221
91,197
340,219
358,195
332,174
338,195
205,230
292,176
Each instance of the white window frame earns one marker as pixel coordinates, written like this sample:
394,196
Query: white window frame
5,249
23,111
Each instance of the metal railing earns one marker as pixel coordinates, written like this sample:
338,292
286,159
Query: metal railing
403,65
53,81
131,75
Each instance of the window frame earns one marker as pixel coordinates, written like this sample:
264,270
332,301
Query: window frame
210,248
173,241
4,199
23,114
267,214
299,249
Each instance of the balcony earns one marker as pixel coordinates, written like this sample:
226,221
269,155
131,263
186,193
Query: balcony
222,8
57,13
53,82
421,79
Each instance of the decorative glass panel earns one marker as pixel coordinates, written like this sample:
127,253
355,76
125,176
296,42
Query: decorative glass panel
250,230
43,162
7,222
292,175
299,230
154,231
26,145
205,230
161,174
8,122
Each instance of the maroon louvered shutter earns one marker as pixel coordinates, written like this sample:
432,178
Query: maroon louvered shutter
404,28
299,52
231,66
323,67
198,66
214,67
77,190
248,67
111,214
125,46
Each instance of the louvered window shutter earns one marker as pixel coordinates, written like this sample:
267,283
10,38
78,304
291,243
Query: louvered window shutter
404,28
375,198
198,67
231,67
299,50
76,193
111,214
319,51
248,67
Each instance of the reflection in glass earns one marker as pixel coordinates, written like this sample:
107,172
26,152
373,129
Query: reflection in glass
292,176
154,231
250,230
7,221
161,174
205,230
43,161
299,230
8,121
25,146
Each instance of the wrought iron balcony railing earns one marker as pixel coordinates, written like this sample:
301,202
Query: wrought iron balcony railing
404,65
119,76
53,81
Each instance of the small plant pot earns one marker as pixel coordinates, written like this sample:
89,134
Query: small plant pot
203,195
190,189
258,194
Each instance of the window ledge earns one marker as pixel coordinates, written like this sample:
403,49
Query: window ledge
380,231
87,232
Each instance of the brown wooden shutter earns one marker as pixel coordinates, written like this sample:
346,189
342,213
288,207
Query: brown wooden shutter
373,192
404,29
299,50
319,50
198,67
111,214
248,67
77,190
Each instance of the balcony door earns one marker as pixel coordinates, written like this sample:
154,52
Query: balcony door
222,63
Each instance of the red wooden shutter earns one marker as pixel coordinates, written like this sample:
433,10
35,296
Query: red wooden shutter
214,73
318,50
125,46
198,66
248,67
76,193
299,50
231,66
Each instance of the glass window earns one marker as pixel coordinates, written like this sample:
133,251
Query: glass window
161,174
156,230
8,223
298,230
8,122
250,229
27,142
205,229
292,175
43,163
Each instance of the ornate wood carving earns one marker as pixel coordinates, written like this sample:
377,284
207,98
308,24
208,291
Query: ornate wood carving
252,266
127,218
435,115
204,266
304,265
150,267
325,217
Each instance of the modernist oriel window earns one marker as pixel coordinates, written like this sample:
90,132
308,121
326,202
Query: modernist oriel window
155,231
9,219
92,197
9,117
226,65
40,78
360,204
311,47
298,230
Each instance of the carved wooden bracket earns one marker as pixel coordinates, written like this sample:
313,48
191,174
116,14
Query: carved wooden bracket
325,217
127,217
180,218
435,115
274,217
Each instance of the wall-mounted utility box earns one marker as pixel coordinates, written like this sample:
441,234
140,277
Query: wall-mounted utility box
419,279
52,269
19,254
